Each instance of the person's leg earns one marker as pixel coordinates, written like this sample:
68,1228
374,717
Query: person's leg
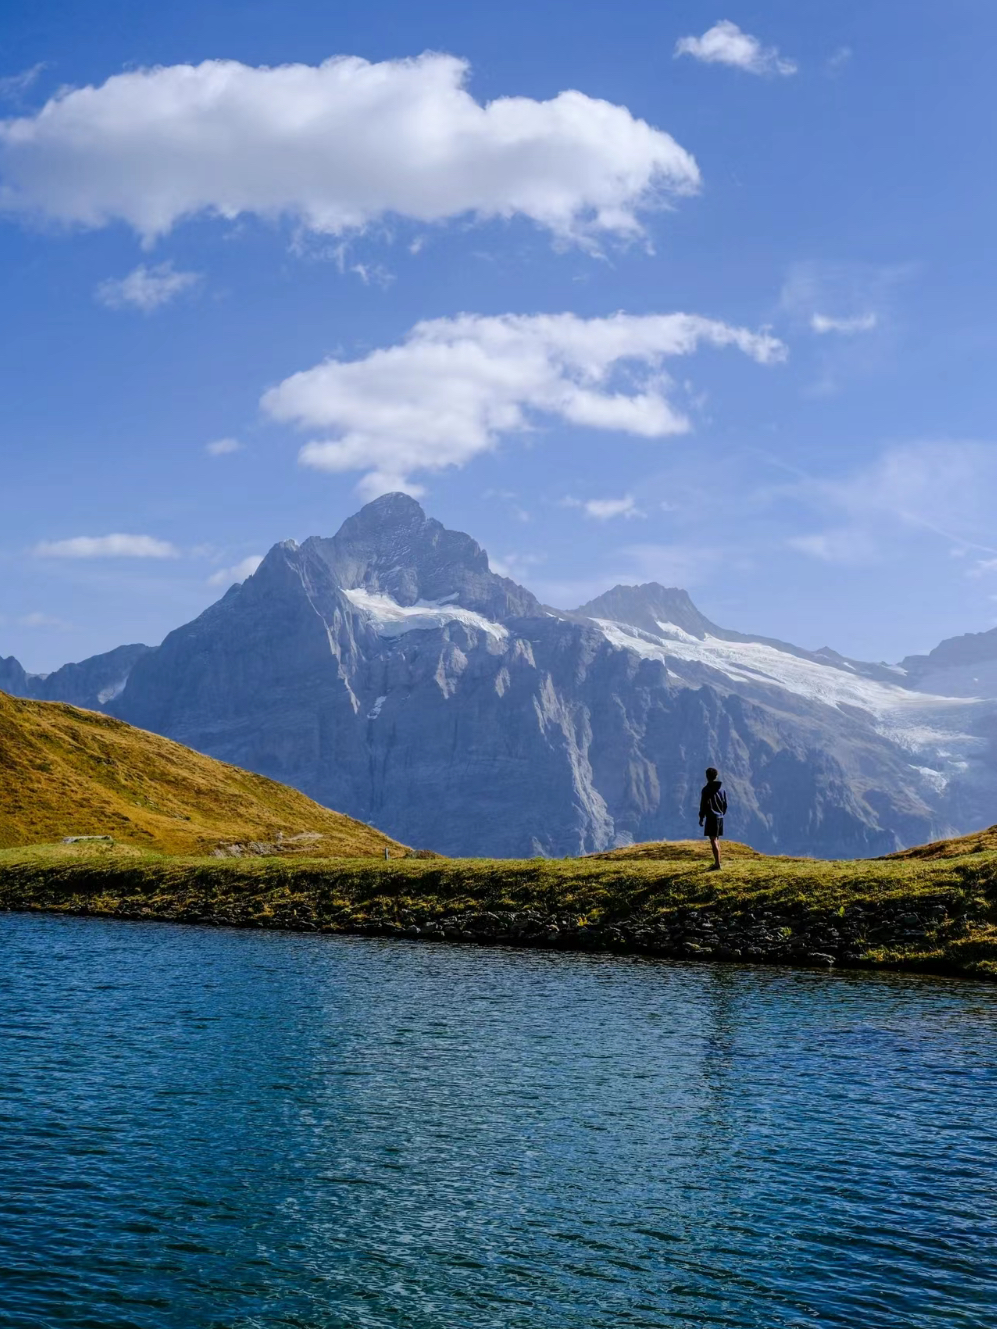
715,846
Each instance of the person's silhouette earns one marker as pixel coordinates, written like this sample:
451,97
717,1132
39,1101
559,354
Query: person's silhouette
712,808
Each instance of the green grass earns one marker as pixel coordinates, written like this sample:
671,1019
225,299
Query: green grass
622,900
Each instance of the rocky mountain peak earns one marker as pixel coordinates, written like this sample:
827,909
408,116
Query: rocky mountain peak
390,547
393,511
13,678
648,607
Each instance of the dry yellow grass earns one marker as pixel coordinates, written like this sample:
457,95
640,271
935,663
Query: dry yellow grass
677,851
979,842
65,771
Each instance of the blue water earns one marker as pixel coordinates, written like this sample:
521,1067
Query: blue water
205,1128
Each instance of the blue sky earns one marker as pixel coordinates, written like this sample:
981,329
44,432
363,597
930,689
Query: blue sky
362,275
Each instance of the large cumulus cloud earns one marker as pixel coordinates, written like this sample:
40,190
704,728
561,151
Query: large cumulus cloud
334,147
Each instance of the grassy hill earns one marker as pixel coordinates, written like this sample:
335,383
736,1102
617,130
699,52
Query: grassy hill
675,850
64,771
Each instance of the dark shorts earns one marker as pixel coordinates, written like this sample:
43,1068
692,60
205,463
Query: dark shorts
713,826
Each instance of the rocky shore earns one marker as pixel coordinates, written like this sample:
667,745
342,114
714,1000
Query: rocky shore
757,937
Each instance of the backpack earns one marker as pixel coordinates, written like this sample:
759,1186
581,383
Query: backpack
718,803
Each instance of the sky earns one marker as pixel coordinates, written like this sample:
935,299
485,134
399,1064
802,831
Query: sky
671,292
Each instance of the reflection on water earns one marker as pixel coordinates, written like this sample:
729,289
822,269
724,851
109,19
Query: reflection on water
217,1129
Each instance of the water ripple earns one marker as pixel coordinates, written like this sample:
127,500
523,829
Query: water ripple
229,1130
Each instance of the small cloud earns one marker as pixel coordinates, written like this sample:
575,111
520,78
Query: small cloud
376,483
844,546
865,291
840,58
604,509
107,546
13,86
821,323
40,620
228,576
145,288
726,44
514,566
221,447
375,274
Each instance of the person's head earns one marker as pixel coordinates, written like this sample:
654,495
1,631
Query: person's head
711,772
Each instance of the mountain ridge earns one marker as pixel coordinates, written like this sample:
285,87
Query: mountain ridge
388,671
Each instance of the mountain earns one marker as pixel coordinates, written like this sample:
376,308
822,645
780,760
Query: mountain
390,673
73,772
963,666
93,683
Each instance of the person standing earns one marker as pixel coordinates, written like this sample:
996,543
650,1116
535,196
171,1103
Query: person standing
712,808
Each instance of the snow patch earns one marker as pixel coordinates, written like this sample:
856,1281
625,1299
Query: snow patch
913,721
375,710
672,631
113,692
391,619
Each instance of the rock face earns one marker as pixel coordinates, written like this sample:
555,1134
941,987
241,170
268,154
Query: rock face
390,674
13,679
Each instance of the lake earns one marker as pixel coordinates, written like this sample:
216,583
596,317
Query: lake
217,1129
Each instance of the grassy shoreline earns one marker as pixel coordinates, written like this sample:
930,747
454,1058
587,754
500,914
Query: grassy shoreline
932,915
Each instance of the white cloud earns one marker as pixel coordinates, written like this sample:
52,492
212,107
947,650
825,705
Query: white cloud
852,307
145,288
515,566
222,447
845,545
333,147
39,620
226,576
839,59
455,386
603,509
12,86
860,293
848,326
107,546
374,483
944,487
943,490
726,44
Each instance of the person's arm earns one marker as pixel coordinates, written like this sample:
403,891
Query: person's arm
702,807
